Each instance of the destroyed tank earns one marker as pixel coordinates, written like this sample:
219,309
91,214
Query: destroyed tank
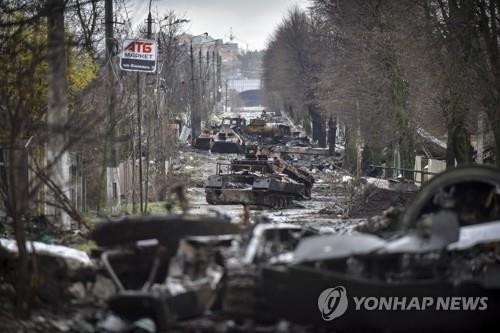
234,122
267,128
205,140
227,141
259,179
223,138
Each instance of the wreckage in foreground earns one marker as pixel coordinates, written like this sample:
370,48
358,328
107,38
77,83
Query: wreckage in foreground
447,252
261,179
191,266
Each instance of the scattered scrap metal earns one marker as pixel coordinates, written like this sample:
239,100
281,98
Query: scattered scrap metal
274,272
201,273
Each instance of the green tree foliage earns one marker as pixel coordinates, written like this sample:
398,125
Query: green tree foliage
24,76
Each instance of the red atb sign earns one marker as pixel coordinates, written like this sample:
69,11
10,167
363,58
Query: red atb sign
138,55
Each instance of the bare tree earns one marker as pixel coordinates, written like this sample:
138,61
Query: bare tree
34,112
291,72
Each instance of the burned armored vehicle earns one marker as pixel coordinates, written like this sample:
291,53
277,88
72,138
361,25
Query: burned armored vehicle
171,270
153,288
227,141
205,140
224,136
236,123
261,179
440,270
267,128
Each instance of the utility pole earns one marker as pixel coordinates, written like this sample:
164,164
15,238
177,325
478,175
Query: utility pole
225,102
194,110
219,78
149,22
57,111
206,88
201,86
112,179
139,129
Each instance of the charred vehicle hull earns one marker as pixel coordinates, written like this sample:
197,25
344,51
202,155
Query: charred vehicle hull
151,262
262,182
205,140
292,293
263,127
227,141
204,143
440,271
253,190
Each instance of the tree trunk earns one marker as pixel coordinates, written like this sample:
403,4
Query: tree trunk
134,159
318,130
459,148
112,181
332,135
494,117
351,150
57,112
23,276
194,105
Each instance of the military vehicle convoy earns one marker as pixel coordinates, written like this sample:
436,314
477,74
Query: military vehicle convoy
261,178
223,138
232,133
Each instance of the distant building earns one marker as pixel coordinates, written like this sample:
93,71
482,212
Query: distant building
232,46
241,85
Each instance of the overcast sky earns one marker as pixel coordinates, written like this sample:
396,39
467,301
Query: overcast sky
252,20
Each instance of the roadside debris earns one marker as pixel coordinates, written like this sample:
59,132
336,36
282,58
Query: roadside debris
436,259
199,273
73,259
184,272
253,276
58,268
368,200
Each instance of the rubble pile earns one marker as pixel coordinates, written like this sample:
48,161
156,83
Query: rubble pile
369,200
